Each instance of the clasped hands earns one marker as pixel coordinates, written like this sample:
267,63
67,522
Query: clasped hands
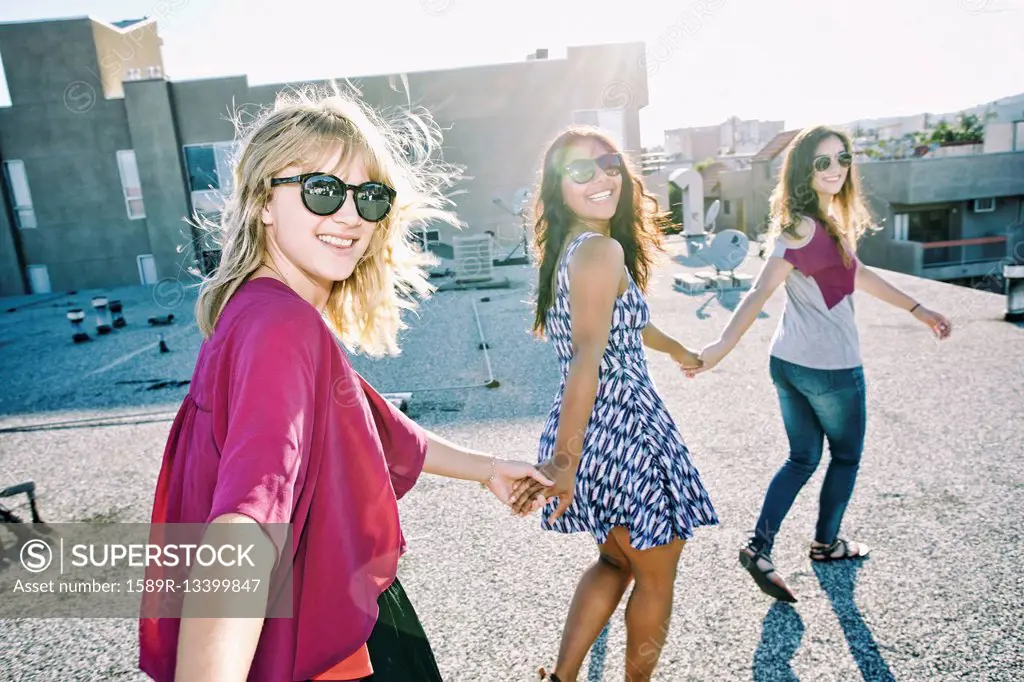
559,474
692,363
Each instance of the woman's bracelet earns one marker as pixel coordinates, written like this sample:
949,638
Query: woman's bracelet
490,479
916,306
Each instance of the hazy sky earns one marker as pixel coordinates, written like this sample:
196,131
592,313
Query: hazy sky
801,61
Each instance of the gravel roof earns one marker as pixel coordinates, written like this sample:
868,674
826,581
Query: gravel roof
940,495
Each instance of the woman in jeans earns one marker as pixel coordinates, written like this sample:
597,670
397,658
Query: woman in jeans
817,218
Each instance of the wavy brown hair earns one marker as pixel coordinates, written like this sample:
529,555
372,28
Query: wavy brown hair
637,224
794,197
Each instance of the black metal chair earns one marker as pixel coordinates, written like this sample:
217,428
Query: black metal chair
14,523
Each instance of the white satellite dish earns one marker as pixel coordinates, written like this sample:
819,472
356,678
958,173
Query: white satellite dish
712,215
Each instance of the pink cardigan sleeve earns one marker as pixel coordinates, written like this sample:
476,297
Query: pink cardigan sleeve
403,440
270,410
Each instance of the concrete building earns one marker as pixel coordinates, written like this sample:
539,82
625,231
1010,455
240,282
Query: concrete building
105,158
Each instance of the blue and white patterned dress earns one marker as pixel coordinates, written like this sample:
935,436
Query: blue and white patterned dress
635,470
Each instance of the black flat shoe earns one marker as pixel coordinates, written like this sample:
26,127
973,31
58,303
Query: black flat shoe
761,576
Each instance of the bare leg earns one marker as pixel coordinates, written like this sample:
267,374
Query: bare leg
650,606
597,596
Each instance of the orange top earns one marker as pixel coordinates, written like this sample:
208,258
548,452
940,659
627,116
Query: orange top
355,667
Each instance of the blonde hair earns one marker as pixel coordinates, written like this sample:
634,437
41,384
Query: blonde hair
794,196
304,128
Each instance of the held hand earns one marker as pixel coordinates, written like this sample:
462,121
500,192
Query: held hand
508,474
939,325
685,358
560,468
709,357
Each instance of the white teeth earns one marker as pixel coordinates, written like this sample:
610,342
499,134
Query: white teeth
600,195
334,241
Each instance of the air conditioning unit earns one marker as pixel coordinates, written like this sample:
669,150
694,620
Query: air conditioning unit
154,72
133,74
986,205
474,258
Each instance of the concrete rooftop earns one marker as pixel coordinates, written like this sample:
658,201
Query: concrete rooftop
940,497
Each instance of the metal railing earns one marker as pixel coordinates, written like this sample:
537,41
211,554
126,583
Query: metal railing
964,251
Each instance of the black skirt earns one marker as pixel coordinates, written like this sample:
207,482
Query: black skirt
399,650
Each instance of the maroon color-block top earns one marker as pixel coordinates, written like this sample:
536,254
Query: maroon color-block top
279,427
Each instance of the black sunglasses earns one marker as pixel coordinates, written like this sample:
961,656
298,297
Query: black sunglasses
823,163
582,171
324,194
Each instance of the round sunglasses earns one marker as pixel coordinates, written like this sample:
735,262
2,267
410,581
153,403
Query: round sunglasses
582,171
823,163
323,194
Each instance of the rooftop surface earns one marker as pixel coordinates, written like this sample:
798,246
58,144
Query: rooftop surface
940,495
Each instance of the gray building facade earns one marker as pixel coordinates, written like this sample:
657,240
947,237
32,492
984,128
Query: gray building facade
106,160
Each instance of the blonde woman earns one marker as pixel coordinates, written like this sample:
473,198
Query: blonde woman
817,218
278,428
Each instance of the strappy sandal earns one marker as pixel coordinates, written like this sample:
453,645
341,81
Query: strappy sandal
826,554
761,576
544,676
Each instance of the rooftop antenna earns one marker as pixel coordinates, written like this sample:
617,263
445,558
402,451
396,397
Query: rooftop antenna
520,202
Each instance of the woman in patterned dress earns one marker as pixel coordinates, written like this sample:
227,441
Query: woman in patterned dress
621,469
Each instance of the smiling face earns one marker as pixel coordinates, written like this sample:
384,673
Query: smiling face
592,199
829,176
321,250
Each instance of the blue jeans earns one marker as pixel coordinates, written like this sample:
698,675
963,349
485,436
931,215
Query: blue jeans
816,404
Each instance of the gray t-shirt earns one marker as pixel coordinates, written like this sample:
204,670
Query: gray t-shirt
818,328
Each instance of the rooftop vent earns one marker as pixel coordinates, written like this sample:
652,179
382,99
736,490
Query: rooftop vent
474,258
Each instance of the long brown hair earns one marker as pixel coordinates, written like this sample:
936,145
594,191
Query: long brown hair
794,197
636,225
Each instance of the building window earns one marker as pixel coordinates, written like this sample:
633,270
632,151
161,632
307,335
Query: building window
1018,135
986,205
130,184
901,226
147,268
17,187
5,92
726,207
209,168
611,122
38,279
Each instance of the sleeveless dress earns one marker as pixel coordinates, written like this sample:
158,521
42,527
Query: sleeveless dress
635,469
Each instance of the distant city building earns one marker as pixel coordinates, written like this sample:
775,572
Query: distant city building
733,137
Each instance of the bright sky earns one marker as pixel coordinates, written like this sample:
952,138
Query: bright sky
801,61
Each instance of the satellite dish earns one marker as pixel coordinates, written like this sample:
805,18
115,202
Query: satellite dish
520,199
728,250
712,214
